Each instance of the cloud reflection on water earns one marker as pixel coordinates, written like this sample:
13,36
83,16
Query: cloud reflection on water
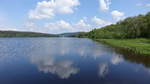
116,59
63,68
46,52
55,56
103,69
104,66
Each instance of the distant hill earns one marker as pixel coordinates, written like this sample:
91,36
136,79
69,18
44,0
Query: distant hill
24,34
69,34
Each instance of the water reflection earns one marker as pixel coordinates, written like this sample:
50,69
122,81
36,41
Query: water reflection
65,46
134,57
103,69
12,49
104,66
79,61
116,58
45,55
63,68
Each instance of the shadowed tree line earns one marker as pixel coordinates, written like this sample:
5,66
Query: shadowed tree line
24,34
134,57
132,27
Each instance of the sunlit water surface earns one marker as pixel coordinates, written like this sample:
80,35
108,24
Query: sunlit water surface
69,61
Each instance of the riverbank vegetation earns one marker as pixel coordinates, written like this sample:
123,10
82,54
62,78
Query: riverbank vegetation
132,27
141,45
125,34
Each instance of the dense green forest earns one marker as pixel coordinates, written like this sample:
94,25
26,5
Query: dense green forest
132,27
132,33
24,34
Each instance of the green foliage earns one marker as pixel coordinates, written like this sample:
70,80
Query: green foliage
137,45
126,34
23,34
81,35
132,27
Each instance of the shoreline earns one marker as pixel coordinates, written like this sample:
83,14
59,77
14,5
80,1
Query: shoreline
139,46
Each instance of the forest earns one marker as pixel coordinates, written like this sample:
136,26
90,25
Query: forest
132,33
24,34
132,27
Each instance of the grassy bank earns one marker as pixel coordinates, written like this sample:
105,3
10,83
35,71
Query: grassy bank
141,46
129,31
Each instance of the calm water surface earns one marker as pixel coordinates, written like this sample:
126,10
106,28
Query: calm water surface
69,61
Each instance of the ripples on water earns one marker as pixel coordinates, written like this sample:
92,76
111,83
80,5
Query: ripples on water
69,61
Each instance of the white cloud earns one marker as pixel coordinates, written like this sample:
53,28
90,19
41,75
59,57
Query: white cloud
63,26
104,4
148,5
82,26
58,27
143,5
117,15
99,22
48,9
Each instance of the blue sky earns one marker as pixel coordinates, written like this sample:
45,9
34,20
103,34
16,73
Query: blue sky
59,16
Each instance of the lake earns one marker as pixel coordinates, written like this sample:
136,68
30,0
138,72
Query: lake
69,61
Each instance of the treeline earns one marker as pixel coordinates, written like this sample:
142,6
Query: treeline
132,27
24,34
73,34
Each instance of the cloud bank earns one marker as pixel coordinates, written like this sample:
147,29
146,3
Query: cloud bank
48,9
